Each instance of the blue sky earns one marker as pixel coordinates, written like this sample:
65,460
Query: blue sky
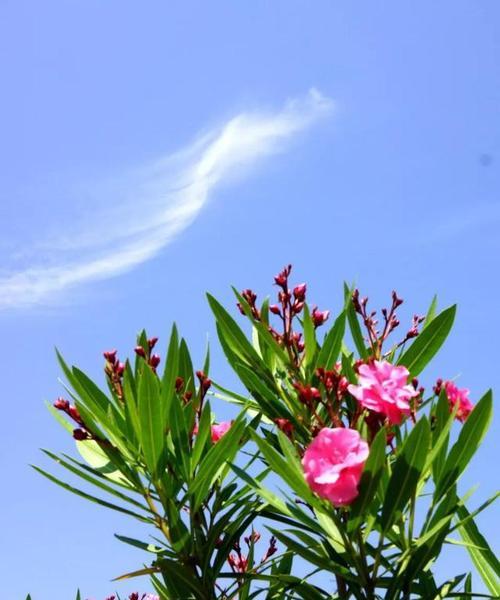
151,151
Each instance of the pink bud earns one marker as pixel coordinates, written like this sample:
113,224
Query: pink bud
299,291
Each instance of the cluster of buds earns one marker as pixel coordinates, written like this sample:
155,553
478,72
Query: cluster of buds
333,382
285,426
114,370
179,388
237,560
153,360
375,337
251,299
80,433
291,302
137,596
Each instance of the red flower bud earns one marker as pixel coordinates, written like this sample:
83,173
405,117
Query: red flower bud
179,384
299,291
319,317
154,361
285,426
139,350
61,404
152,342
110,356
275,309
80,435
120,368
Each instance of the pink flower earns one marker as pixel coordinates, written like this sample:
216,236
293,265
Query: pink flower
384,388
219,430
460,397
333,463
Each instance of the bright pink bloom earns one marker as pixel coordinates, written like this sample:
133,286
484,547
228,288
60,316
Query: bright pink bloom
460,397
384,389
333,463
219,430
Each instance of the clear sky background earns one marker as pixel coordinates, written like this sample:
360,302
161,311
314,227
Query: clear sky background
153,150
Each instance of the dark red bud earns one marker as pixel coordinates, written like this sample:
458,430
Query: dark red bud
154,361
275,309
80,435
152,342
179,384
120,368
61,404
139,350
110,356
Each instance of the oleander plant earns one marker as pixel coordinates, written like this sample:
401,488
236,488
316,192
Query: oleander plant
336,479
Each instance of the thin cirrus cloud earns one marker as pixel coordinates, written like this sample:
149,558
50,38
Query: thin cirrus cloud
172,192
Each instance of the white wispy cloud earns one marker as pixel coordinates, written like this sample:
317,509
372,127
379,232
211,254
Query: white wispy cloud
171,192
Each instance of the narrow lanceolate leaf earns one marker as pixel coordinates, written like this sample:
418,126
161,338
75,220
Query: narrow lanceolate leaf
221,453
170,374
466,445
151,419
369,481
428,342
233,336
406,472
431,313
352,318
483,557
332,343
309,338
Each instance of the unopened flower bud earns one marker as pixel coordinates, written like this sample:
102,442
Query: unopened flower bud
80,435
299,291
61,404
395,300
154,361
179,384
139,350
285,426
275,309
152,342
319,317
110,356
120,368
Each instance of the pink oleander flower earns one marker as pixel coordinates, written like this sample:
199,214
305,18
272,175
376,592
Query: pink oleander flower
219,430
458,396
333,464
384,388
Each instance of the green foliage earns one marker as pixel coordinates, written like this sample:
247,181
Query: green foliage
151,454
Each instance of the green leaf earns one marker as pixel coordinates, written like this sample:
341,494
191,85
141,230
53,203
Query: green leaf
90,497
428,342
431,313
151,419
369,481
406,472
233,336
332,343
170,374
483,557
352,319
473,431
311,345
216,458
